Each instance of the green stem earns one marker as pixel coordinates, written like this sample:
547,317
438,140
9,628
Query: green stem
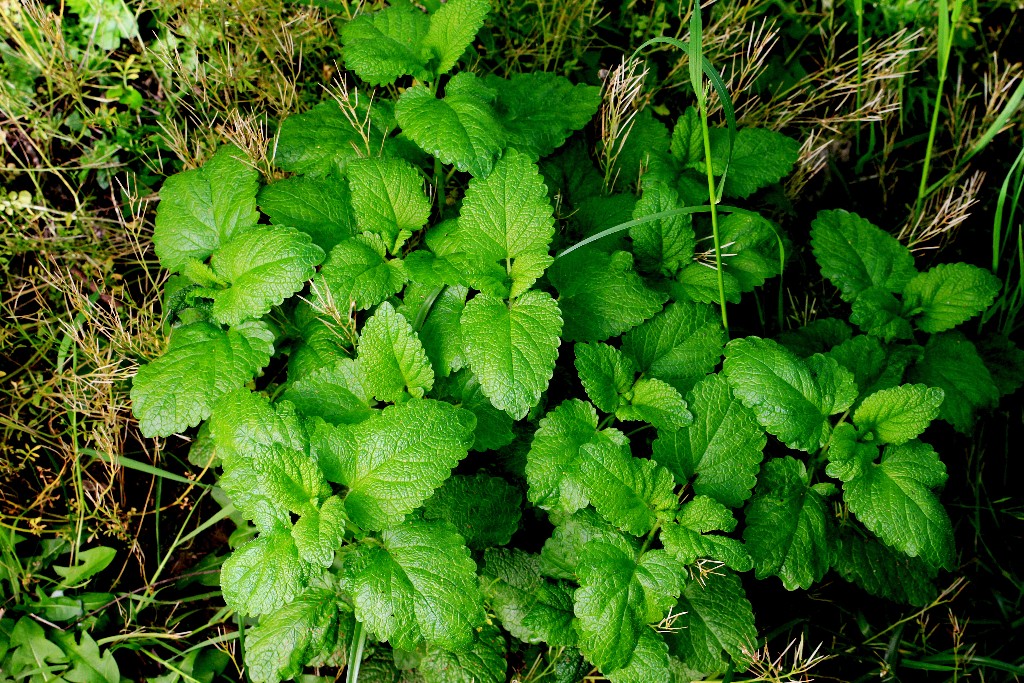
355,653
858,9
713,197
650,537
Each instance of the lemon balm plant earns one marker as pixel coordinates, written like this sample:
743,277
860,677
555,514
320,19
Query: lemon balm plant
410,392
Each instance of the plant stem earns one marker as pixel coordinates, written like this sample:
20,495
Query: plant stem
712,196
355,653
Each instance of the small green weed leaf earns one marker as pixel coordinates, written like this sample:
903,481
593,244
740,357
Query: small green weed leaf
202,363
791,398
648,663
512,347
552,465
561,553
856,255
88,665
388,199
264,574
788,527
319,142
105,22
657,403
263,266
951,363
894,500
392,358
279,646
418,584
715,617
690,537
899,414
452,29
601,296
760,157
356,274
883,572
606,374
485,510
531,608
89,563
334,392
459,129
320,208
723,447
540,110
680,345
949,294
483,662
667,244
383,46
319,533
202,209
395,460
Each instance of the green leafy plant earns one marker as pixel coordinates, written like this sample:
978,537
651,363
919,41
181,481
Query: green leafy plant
390,428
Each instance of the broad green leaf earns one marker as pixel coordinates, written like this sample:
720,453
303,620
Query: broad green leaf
571,174
482,662
202,363
88,665
383,46
246,426
264,574
723,447
322,208
388,199
279,647
334,392
751,249
319,533
485,510
878,313
552,465
540,110
31,651
680,345
494,428
646,143
459,129
88,563
656,403
949,294
690,537
530,607
856,255
687,145
393,461
441,333
391,357
418,583
202,209
874,367
951,363
667,244
263,266
596,214
355,274
894,500
320,142
899,414
698,282
605,372
791,398
715,620
561,553
881,571
817,336
452,28
648,663
601,296
512,347
788,529
320,338
760,157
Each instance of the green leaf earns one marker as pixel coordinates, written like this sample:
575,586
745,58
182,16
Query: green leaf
320,208
723,447
856,255
264,574
647,142
383,46
606,374
877,312
540,110
106,23
512,348
664,245
571,174
31,650
687,146
894,500
698,282
391,357
530,607
883,572
393,461
334,392
202,209
751,249
388,199
715,617
319,533
601,296
680,345
319,142
493,426
88,563
485,510
356,275
874,367
452,29
689,537
459,129
263,266
202,363
441,333
818,336
791,398
760,157
418,583
951,363
899,414
279,647
949,294
656,403
507,217
552,465
87,664
561,553
648,663
483,662
788,527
